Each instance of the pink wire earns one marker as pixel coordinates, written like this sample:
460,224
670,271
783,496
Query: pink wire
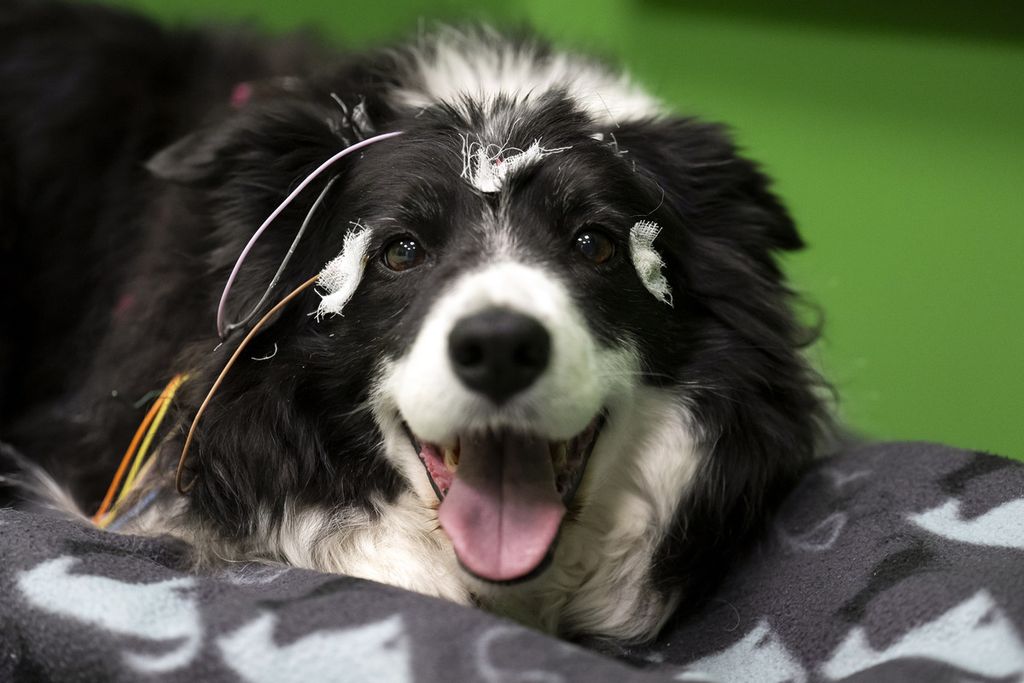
281,207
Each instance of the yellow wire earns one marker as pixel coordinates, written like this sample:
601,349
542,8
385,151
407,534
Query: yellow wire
152,423
140,456
106,519
115,483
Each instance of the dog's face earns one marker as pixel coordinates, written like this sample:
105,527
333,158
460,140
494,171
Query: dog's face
520,323
538,284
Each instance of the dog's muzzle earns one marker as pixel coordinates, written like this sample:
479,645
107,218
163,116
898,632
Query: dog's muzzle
502,394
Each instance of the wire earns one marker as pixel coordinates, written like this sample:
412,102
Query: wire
156,408
223,373
221,328
231,327
140,457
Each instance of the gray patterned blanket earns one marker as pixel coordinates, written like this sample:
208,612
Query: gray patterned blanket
891,562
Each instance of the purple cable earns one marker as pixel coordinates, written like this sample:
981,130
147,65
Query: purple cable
221,332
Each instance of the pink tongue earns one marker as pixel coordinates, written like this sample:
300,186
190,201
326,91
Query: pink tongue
503,510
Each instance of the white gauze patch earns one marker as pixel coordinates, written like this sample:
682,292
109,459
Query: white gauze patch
487,166
342,275
647,261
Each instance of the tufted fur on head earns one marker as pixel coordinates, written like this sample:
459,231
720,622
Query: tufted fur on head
660,434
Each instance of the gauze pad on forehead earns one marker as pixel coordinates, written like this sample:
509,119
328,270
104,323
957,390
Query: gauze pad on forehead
647,261
487,166
342,275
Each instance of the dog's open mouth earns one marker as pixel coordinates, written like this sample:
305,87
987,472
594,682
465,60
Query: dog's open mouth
504,494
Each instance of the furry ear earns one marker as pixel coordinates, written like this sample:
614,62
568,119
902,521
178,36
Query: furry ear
748,385
702,174
269,132
192,159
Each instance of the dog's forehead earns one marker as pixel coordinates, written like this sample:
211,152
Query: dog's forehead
486,167
483,143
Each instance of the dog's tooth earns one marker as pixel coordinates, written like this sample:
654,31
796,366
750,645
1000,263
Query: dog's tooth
451,459
558,455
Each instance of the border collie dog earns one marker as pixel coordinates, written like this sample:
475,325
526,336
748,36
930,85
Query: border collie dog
550,366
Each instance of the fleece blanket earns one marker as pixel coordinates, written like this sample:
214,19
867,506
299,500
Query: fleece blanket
890,562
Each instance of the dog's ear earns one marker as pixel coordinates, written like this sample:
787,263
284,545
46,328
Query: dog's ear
268,133
269,138
194,158
702,175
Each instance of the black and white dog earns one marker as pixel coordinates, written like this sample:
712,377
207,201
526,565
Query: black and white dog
551,366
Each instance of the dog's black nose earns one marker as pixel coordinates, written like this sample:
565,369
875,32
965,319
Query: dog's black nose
499,352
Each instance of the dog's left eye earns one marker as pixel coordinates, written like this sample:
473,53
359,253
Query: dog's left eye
594,245
404,253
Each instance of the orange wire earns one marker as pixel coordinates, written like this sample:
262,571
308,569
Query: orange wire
139,433
168,392
179,472
140,455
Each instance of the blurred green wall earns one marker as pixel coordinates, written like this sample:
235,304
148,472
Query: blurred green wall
897,139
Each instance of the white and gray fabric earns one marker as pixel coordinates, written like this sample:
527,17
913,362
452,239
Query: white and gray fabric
890,562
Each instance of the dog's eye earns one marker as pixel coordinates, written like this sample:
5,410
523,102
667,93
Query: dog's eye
594,245
404,253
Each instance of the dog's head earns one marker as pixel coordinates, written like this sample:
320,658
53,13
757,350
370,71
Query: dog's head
546,279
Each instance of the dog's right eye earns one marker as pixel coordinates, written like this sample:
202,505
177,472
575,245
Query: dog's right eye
404,253
594,245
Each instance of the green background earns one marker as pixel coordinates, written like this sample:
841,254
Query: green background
896,135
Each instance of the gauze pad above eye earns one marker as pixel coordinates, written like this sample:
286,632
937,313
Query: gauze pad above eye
647,261
340,278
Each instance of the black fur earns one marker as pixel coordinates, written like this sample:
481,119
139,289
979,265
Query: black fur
116,269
